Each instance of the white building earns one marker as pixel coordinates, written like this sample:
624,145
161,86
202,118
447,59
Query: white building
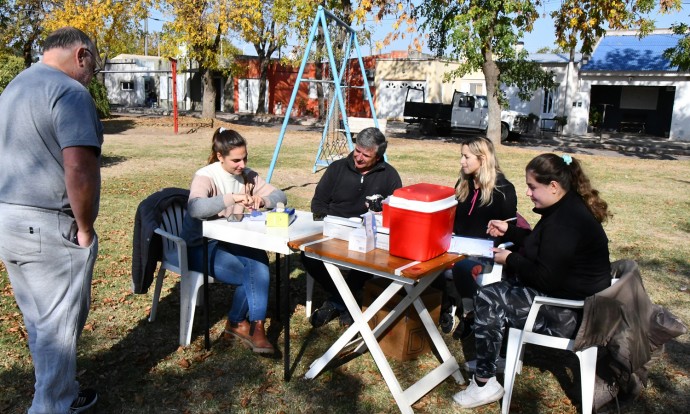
136,80
625,86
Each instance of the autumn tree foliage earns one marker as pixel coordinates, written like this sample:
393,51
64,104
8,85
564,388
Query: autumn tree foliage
114,25
21,26
582,22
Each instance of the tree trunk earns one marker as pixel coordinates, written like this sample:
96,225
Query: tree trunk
26,53
264,61
208,108
320,95
491,72
230,95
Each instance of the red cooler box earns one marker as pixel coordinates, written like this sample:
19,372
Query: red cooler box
421,220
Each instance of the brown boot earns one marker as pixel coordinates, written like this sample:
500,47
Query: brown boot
253,335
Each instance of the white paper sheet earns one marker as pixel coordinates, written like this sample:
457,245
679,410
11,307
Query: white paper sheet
471,246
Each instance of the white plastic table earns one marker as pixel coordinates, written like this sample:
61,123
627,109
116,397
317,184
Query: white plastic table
273,239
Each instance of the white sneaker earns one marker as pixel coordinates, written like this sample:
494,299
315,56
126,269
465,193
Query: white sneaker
471,366
475,396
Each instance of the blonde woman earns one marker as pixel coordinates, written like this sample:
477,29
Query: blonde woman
483,194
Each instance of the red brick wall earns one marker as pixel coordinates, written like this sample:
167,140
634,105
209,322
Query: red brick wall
282,79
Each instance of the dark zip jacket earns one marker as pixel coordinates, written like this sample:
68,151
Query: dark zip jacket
147,246
342,190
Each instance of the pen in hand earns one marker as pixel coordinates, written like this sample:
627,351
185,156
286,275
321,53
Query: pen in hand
504,221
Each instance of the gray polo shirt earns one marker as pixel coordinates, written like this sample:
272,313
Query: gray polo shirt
43,111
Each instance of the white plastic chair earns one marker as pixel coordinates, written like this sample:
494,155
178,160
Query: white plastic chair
175,260
516,348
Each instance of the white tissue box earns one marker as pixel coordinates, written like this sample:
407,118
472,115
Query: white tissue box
340,228
359,241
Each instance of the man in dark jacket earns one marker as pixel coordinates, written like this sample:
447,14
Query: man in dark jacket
342,192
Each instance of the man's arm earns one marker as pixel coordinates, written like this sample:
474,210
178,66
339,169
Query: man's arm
320,203
83,182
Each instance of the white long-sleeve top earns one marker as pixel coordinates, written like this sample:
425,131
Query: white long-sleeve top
211,196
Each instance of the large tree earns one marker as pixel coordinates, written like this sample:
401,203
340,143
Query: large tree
21,26
479,34
195,33
267,25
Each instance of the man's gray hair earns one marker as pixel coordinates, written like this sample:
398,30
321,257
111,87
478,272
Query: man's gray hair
372,138
66,37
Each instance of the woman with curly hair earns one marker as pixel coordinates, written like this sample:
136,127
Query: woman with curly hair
566,255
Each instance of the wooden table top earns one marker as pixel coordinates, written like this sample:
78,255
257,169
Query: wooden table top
377,259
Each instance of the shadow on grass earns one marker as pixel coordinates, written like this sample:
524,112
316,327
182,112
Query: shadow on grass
116,125
677,266
110,161
17,388
290,187
139,370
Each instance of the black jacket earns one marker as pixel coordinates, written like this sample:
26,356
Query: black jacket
566,255
342,190
147,246
503,206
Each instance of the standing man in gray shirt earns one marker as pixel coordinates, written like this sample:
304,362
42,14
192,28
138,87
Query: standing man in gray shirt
50,146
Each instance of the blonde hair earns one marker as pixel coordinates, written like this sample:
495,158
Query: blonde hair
483,149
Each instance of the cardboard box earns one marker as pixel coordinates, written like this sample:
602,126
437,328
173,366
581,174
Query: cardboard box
406,338
421,221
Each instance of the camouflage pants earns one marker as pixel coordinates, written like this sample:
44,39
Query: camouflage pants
507,304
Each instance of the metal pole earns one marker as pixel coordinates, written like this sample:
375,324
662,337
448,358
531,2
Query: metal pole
146,36
174,93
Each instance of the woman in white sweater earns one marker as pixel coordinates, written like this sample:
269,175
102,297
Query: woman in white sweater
219,190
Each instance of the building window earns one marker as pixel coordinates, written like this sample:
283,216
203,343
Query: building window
127,86
476,89
547,104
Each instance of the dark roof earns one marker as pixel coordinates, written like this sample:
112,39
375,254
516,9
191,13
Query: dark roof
629,53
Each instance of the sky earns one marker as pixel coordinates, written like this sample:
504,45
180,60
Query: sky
542,35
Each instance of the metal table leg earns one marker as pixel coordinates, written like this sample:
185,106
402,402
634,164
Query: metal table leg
207,307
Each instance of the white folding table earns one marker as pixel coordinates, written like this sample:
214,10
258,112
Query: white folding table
406,274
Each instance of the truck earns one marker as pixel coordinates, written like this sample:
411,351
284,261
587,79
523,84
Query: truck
465,112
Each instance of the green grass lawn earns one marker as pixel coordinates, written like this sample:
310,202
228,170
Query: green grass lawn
138,367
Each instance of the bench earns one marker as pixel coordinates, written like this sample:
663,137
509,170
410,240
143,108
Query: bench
358,124
632,126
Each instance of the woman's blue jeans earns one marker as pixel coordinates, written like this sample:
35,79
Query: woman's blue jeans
242,266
